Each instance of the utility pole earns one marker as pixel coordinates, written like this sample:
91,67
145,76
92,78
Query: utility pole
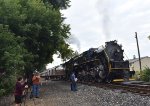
138,51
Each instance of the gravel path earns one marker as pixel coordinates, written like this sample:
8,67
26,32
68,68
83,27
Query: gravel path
57,93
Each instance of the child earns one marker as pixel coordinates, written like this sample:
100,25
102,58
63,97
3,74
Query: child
19,88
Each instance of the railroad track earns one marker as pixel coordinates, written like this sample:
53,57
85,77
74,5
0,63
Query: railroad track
136,88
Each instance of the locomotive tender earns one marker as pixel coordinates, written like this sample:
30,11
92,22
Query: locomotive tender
101,64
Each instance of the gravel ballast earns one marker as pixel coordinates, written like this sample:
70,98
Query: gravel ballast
58,93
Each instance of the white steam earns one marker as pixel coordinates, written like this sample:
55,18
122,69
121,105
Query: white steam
104,11
73,40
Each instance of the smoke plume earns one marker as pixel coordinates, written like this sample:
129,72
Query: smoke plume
75,41
104,11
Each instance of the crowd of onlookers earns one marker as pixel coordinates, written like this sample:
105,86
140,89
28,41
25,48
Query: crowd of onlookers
22,87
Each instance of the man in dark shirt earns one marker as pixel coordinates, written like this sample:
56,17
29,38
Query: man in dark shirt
19,91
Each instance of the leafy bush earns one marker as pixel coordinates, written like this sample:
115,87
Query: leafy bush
2,92
7,84
145,75
136,75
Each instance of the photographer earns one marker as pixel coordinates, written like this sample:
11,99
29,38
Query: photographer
36,84
19,90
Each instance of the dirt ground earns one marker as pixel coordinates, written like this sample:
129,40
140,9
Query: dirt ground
50,94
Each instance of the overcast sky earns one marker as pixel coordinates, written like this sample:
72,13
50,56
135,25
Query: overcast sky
94,22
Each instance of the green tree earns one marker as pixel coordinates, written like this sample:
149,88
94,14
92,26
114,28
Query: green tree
31,31
40,25
11,58
58,4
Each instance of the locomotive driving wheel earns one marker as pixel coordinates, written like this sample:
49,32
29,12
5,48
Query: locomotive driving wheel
100,73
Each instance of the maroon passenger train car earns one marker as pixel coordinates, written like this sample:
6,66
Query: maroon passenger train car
56,72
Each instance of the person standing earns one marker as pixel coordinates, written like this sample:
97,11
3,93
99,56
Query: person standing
36,84
46,79
19,88
73,82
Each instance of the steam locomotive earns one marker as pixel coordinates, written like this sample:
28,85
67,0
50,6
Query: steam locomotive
101,64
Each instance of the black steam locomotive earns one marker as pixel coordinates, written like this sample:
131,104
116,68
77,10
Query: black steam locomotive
101,64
